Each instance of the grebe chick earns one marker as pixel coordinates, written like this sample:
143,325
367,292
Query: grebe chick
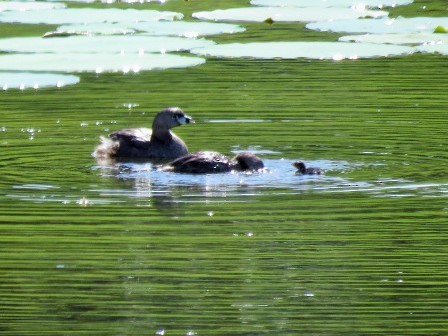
302,169
158,143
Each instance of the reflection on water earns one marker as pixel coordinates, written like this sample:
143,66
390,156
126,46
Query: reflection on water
143,182
279,175
146,180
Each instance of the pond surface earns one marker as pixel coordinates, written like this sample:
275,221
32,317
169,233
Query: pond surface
125,249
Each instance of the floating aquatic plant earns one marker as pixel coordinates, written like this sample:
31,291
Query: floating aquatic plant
101,44
25,80
156,28
186,29
105,28
132,1
86,15
381,26
286,14
74,49
114,1
65,62
434,48
28,6
410,39
331,3
312,50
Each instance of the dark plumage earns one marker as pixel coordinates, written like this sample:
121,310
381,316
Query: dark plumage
213,162
302,169
158,143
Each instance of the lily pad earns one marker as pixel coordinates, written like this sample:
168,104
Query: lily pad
113,1
187,29
158,28
27,6
312,50
331,3
286,14
101,44
381,26
409,39
95,62
25,80
92,29
132,1
82,1
86,15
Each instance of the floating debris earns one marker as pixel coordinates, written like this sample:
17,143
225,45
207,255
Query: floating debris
441,30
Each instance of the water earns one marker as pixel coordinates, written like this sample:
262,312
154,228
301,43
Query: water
129,250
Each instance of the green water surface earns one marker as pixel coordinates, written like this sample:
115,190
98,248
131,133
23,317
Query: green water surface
126,250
